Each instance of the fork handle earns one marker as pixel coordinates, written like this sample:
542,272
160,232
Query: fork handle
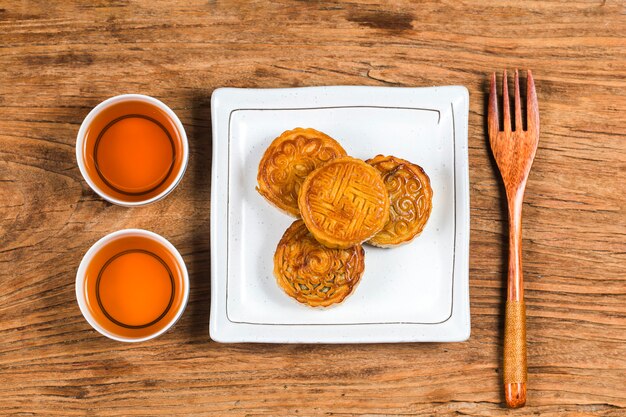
514,369
515,354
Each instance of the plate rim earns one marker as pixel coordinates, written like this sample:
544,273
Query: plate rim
226,101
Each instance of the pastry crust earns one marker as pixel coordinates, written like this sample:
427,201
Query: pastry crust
344,203
411,200
312,273
287,162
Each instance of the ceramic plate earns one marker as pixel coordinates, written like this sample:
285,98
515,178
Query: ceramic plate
417,292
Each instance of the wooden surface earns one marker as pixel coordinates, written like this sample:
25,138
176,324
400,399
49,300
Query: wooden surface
57,60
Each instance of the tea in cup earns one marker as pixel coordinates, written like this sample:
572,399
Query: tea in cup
132,149
132,285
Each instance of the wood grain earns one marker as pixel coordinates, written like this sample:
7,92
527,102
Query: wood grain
59,59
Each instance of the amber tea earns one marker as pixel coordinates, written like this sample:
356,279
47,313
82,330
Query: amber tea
134,286
132,149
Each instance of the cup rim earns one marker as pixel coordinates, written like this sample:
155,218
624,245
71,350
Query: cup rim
80,283
80,141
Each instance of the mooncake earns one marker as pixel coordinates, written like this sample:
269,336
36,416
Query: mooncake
312,273
287,162
344,202
411,197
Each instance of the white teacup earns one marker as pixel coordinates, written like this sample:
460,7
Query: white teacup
111,154
110,256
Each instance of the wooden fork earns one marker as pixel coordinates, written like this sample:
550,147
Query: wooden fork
514,151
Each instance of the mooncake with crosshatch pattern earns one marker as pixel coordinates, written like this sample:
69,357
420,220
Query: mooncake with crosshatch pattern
411,198
312,273
344,202
287,162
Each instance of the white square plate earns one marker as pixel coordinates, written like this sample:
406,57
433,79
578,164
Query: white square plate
417,292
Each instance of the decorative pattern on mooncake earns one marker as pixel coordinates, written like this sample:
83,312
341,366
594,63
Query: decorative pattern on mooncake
344,203
411,200
314,274
287,162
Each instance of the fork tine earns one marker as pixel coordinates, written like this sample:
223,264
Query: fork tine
505,104
518,105
492,115
532,108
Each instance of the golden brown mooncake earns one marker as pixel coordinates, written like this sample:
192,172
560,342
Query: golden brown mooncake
411,200
344,202
312,273
287,162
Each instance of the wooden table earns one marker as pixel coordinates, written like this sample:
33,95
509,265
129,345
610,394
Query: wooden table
58,60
